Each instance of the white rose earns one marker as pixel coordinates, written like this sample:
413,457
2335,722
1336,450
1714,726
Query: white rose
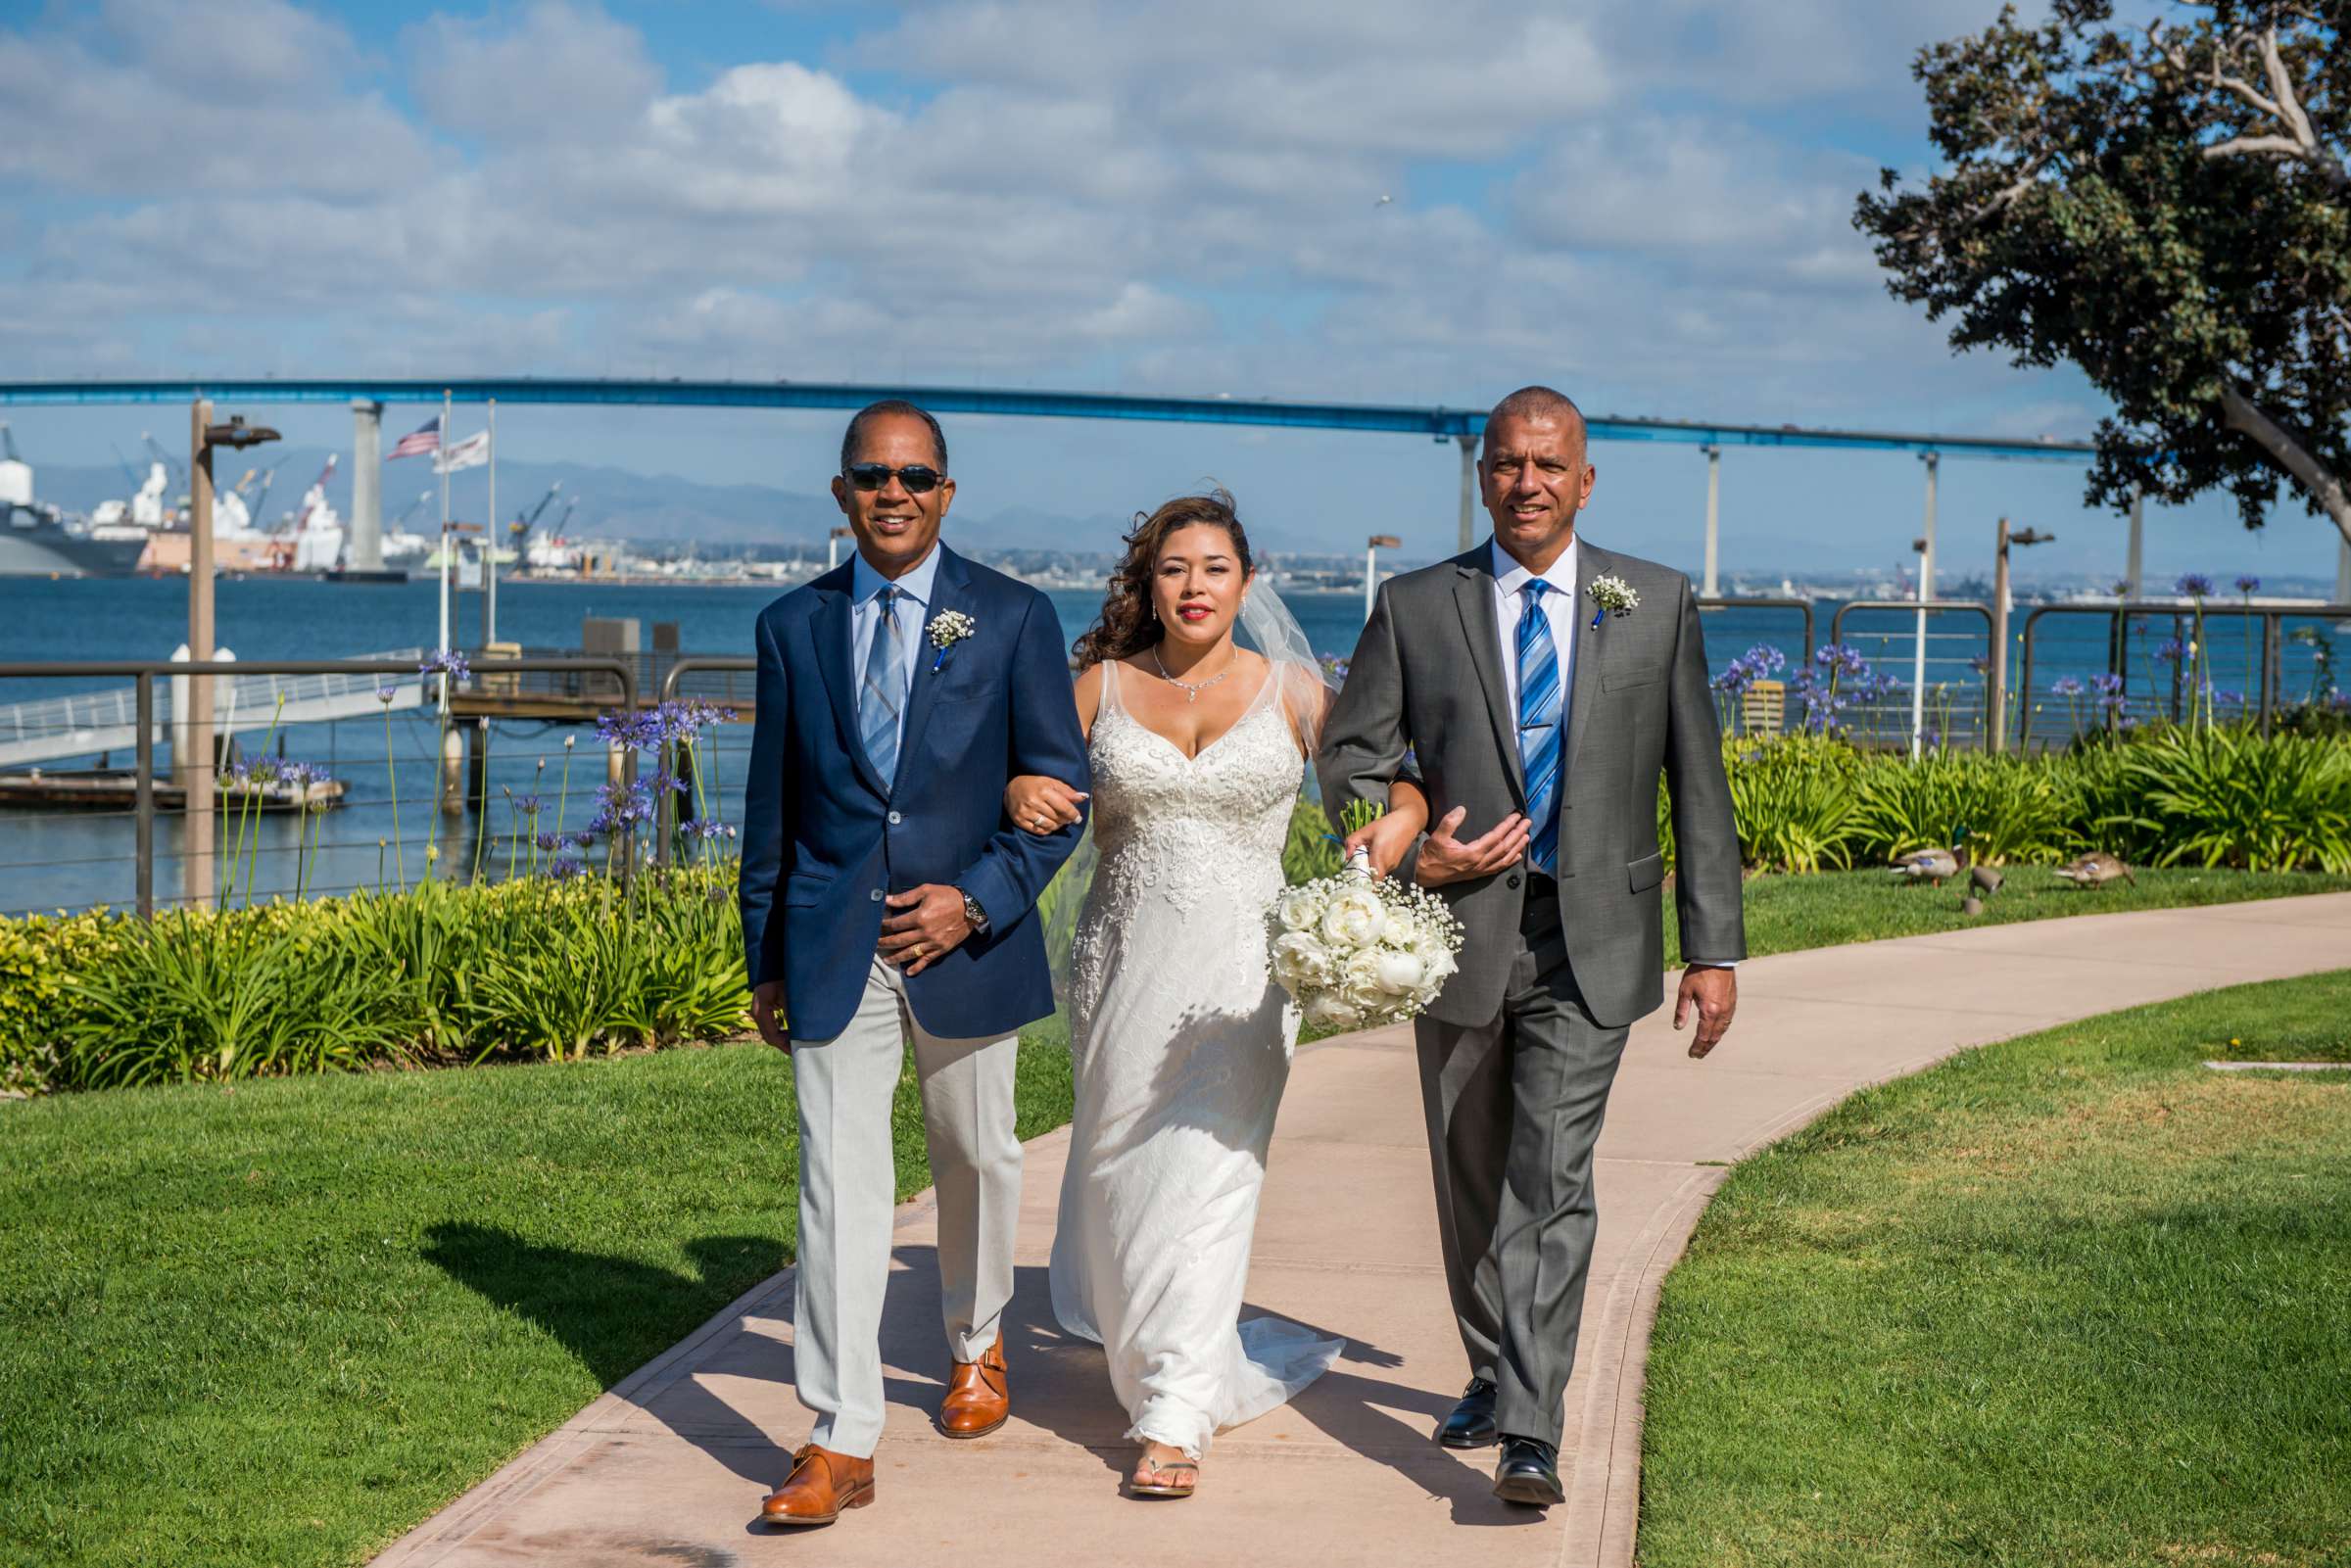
1359,974
1300,959
1353,916
1400,932
1331,1011
1300,908
1399,972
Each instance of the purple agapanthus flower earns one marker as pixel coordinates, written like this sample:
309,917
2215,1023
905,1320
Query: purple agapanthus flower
707,828
564,868
529,805
2172,651
1981,663
2065,686
386,692
2193,584
2248,586
620,807
450,662
549,843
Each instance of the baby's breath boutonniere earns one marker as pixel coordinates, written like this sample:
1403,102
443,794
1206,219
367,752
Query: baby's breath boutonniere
948,628
1613,596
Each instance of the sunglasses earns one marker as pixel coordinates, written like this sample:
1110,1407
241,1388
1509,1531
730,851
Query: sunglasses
919,479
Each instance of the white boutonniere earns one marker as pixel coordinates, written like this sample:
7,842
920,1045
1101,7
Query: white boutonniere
948,628
1613,596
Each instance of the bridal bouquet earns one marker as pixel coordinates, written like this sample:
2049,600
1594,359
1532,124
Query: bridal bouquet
1359,951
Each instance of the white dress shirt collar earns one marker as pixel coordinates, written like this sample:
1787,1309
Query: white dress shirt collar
1512,578
865,582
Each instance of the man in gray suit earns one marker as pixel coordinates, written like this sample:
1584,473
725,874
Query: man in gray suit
1538,686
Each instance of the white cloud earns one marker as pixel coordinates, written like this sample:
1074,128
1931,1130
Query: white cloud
206,95
1577,199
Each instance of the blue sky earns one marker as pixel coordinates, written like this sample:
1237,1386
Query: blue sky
1647,205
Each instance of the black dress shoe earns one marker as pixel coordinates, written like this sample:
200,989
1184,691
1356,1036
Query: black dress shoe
1529,1473
1472,1423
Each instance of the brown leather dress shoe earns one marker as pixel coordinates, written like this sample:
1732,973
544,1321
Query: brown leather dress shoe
978,1395
821,1485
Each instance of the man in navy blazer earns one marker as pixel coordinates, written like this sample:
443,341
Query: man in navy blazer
887,900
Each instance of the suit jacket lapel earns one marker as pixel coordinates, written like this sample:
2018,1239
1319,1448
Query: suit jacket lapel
1584,679
950,591
838,660
1473,597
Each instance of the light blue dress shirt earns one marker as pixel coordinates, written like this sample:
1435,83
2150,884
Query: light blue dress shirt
912,609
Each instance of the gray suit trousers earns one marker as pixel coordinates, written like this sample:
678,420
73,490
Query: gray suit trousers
1513,1109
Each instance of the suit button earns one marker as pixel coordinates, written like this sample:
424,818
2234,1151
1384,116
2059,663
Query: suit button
874,897
893,818
1512,880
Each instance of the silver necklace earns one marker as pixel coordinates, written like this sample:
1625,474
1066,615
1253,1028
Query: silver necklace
1191,690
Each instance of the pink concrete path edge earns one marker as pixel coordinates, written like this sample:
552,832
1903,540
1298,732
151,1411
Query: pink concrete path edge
668,1466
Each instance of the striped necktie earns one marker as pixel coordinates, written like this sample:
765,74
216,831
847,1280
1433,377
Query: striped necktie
885,686
1539,728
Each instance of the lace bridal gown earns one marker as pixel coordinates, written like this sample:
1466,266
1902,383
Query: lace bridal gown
1181,1045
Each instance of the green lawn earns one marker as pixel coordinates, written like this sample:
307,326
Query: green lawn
292,1318
282,1323
2068,1298
1786,914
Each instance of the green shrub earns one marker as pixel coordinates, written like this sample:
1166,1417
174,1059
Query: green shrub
1792,800
2005,808
1310,851
2228,797
531,968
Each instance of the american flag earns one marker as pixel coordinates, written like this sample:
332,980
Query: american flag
417,443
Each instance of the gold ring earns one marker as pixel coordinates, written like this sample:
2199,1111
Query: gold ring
916,951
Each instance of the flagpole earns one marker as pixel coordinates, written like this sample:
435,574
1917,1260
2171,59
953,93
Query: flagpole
490,542
441,461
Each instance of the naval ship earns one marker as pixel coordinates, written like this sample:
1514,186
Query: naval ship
34,541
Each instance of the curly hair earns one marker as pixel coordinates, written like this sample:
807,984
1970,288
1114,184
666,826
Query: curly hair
1128,624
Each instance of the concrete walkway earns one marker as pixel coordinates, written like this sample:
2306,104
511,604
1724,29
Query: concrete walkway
669,1466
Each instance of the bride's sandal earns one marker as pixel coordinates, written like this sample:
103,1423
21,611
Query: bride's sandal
1174,1478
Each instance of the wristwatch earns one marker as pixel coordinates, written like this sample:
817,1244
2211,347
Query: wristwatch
975,914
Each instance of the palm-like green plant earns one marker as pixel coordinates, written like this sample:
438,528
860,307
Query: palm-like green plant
2228,797
1792,800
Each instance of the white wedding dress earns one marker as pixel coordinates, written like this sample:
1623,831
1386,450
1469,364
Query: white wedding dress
1182,1046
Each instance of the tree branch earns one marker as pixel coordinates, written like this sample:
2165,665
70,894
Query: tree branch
2297,140
2320,482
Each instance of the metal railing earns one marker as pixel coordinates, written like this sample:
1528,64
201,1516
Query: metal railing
144,673
1802,605
2265,671
1932,659
680,667
661,671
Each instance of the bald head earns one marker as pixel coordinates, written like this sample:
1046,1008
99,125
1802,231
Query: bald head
1538,406
1535,474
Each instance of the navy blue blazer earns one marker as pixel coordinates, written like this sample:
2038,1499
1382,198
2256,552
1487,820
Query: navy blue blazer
825,836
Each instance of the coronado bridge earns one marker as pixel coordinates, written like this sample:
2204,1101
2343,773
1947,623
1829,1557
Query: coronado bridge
367,399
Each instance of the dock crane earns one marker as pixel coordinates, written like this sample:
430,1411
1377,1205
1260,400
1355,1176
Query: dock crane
173,466
520,527
402,521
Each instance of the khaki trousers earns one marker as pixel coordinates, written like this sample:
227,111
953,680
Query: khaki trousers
848,1188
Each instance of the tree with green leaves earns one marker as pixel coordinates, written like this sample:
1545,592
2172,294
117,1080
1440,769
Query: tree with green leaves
2169,208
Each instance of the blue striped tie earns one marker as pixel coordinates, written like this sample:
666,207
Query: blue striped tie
885,686
1539,728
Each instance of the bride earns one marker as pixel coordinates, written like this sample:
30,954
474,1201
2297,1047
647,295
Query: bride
1180,1038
